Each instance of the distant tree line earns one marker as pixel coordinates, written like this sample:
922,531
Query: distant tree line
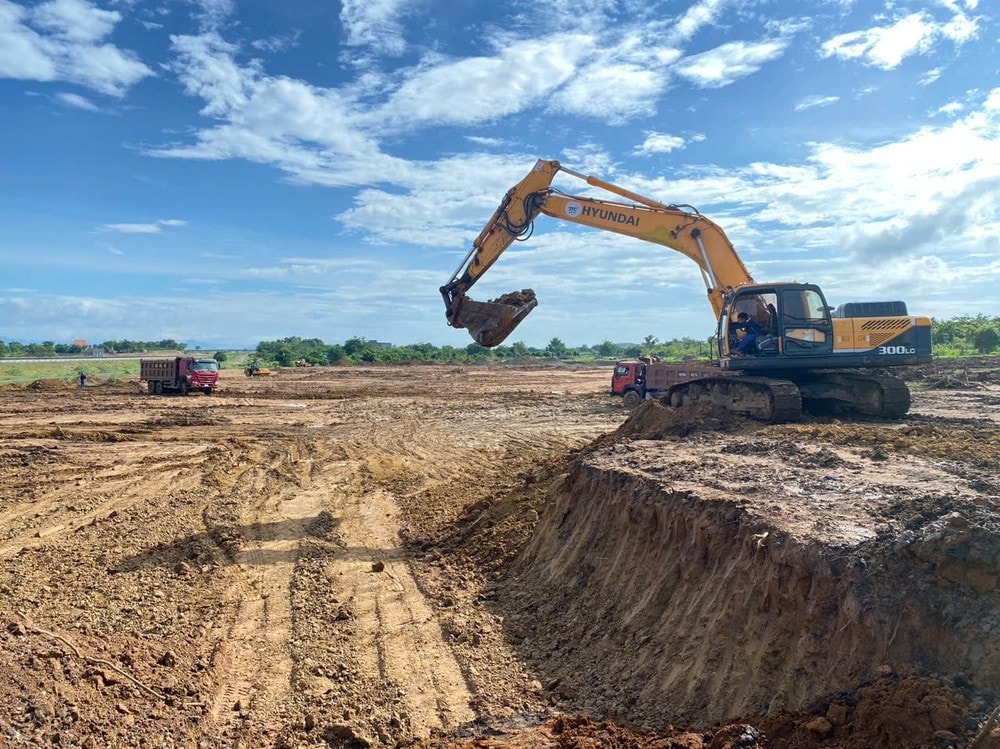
958,336
48,348
287,351
966,336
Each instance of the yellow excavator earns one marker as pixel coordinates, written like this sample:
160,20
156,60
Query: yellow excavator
777,345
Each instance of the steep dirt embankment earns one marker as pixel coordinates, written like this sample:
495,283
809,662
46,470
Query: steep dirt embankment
639,597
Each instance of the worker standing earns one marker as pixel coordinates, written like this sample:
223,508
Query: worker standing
83,379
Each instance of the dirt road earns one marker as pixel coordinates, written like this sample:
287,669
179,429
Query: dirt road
441,554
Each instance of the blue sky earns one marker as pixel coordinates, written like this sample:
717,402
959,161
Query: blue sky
225,172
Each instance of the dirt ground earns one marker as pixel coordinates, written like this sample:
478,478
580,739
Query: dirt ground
497,557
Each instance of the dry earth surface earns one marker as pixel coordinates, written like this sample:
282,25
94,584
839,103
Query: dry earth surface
495,556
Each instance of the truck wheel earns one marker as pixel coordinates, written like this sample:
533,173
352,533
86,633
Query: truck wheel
184,387
631,399
151,387
158,387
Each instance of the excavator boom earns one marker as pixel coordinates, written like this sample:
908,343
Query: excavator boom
680,228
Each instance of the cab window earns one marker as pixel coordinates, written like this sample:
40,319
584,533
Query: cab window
802,306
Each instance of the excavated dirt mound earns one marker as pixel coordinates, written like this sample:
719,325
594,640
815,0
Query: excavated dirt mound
492,556
764,588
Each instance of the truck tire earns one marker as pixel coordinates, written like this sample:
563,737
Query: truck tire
151,387
183,387
631,399
158,387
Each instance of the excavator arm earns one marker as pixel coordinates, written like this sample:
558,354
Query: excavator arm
680,228
489,323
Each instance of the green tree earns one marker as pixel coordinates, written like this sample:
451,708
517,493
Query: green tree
556,348
354,346
607,349
986,340
219,356
475,351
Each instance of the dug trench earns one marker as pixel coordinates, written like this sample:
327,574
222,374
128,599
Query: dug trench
697,570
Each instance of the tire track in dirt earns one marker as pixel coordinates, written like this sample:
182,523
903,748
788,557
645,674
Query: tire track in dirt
253,662
391,612
58,510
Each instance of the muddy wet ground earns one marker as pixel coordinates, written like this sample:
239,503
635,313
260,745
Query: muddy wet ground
471,556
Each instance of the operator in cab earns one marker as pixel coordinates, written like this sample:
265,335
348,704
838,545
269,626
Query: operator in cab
751,330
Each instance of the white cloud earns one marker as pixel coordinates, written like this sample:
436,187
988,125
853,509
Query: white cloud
487,87
75,20
315,134
77,102
483,141
887,46
612,93
952,107
23,52
436,201
213,13
660,143
930,76
153,228
207,69
62,40
729,62
134,228
931,192
694,18
620,81
375,24
277,43
816,101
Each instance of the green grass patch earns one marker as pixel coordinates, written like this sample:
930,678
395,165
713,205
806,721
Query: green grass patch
99,369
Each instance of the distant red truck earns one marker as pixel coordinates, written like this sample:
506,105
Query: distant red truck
638,379
182,374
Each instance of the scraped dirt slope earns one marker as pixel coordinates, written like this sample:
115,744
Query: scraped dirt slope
492,557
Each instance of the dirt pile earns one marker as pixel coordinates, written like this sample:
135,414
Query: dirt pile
653,601
654,421
49,385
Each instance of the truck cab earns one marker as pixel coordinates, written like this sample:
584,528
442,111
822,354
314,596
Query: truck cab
627,381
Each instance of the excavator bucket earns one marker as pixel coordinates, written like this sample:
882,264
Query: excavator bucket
489,323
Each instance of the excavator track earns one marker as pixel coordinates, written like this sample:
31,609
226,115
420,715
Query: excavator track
769,400
883,396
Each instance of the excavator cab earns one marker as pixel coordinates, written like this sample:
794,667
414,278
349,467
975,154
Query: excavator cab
791,320
489,323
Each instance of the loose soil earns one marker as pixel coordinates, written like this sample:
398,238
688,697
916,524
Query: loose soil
462,556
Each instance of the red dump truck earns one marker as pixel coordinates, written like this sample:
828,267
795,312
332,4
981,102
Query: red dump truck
638,379
182,374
